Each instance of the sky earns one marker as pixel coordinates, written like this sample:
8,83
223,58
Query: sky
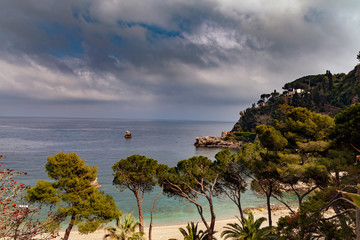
161,59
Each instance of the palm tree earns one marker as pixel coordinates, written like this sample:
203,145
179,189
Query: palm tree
124,230
192,232
249,229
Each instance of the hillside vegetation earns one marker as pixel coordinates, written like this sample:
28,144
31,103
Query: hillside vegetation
323,93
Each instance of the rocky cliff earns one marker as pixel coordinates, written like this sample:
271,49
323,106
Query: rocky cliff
323,93
216,142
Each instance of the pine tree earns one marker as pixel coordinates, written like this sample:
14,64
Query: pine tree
74,194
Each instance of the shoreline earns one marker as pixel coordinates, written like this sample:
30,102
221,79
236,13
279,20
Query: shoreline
165,232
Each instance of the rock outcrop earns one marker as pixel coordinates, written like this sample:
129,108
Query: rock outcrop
216,142
95,183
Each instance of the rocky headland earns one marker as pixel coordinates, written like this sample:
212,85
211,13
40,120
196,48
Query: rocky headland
217,142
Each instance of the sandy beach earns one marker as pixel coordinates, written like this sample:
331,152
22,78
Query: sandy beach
172,231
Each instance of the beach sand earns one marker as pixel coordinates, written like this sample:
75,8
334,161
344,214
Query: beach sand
167,232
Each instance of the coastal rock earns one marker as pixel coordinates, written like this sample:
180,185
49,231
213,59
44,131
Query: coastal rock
224,134
95,183
216,142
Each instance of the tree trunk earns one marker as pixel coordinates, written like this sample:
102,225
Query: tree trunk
240,208
357,223
68,229
235,197
340,216
16,232
200,211
213,218
269,209
337,178
152,211
141,218
357,218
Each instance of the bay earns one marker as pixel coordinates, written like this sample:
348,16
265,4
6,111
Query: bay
27,142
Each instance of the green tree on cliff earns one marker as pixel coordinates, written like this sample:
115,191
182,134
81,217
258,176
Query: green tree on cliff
304,158
347,130
74,194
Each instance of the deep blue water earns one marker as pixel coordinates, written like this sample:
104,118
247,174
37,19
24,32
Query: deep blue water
27,142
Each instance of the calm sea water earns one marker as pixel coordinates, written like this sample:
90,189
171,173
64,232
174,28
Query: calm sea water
27,142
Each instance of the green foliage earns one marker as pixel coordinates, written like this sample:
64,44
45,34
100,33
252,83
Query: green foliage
245,136
324,93
271,138
281,112
258,160
310,173
289,158
263,166
289,155
305,82
249,120
302,125
297,151
310,221
347,128
139,174
234,171
248,229
194,177
125,229
316,164
99,208
192,232
45,192
314,146
63,166
135,172
73,193
335,162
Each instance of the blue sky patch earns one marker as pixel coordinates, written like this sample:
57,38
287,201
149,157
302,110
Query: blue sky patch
313,16
116,40
154,32
161,32
72,39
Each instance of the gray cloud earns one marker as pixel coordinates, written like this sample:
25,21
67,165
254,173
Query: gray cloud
165,59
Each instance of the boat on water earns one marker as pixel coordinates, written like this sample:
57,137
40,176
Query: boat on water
128,134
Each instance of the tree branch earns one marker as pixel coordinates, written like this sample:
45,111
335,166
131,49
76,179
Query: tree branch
199,208
355,147
283,202
182,193
215,181
348,210
309,191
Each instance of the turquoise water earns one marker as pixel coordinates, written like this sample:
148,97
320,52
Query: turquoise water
28,141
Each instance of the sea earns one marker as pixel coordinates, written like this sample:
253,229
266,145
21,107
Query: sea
27,142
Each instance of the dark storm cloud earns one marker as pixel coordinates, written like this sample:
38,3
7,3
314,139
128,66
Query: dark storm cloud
151,55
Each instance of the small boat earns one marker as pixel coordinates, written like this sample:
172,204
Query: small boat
128,134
